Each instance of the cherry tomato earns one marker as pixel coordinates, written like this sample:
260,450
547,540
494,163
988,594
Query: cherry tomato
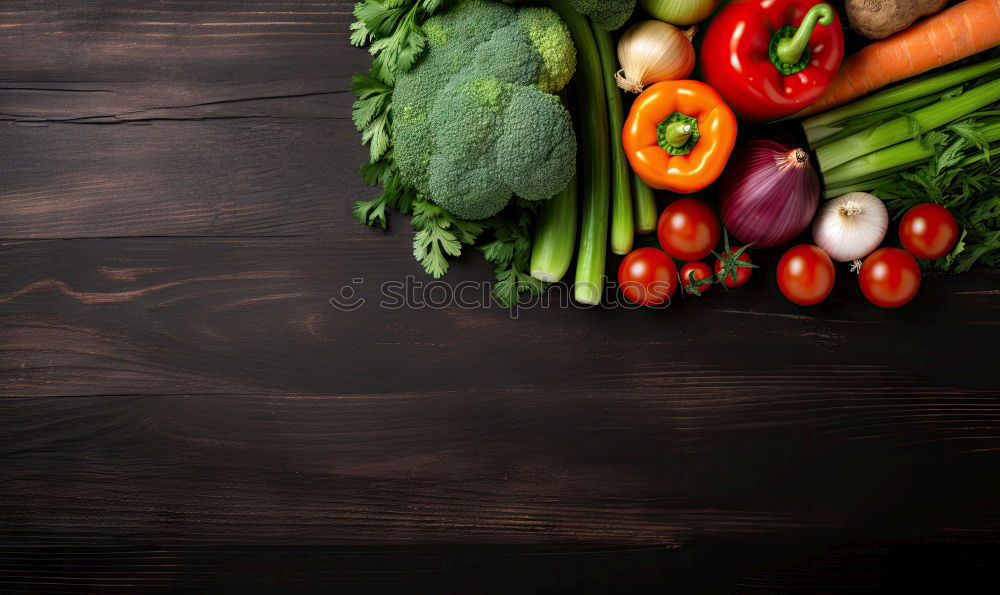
742,272
688,229
647,277
700,271
928,231
806,274
889,277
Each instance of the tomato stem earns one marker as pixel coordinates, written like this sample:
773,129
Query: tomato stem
731,262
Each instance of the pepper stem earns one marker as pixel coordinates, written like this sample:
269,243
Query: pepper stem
677,134
790,49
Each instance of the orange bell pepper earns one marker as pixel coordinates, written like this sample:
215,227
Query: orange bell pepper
679,135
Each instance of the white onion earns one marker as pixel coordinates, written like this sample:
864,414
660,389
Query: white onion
851,226
653,51
680,12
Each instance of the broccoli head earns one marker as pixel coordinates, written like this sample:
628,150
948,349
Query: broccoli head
606,14
475,121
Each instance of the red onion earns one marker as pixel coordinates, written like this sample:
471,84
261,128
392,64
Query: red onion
769,193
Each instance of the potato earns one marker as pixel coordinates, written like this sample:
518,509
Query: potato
876,19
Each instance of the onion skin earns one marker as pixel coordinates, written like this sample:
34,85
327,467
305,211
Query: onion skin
851,226
653,51
768,194
680,12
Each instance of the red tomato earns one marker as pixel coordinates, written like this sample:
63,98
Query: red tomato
889,277
647,277
806,274
688,229
700,271
742,272
928,231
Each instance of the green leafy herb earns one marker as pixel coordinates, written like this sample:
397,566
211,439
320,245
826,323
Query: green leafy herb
392,28
439,235
962,177
370,113
510,252
395,193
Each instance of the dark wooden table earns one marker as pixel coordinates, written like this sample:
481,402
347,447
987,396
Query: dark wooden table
185,410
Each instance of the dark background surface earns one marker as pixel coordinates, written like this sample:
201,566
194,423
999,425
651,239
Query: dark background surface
184,410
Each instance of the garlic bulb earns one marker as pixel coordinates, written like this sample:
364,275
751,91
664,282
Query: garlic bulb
851,226
653,51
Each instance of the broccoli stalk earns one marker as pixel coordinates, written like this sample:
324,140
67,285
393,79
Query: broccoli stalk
594,177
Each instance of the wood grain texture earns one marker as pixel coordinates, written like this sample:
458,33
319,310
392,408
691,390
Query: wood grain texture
184,118
182,409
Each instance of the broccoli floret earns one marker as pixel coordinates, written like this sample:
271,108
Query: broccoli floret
606,14
535,171
474,122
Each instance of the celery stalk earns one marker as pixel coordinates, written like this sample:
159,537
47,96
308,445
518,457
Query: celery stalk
887,176
622,228
898,129
899,94
645,206
555,235
823,135
895,157
592,107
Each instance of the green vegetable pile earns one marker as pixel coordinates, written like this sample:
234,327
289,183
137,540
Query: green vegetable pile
475,122
933,139
460,116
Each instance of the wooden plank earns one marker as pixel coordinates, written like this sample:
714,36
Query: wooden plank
244,177
498,466
224,385
169,400
244,111
198,316
709,567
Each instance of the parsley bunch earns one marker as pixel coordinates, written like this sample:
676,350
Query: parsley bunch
964,176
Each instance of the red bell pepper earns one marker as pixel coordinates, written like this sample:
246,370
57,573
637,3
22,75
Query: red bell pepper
770,58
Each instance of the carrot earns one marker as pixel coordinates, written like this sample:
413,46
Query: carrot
959,32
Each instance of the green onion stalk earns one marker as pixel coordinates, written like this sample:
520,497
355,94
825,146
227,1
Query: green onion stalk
622,229
819,128
594,178
900,129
